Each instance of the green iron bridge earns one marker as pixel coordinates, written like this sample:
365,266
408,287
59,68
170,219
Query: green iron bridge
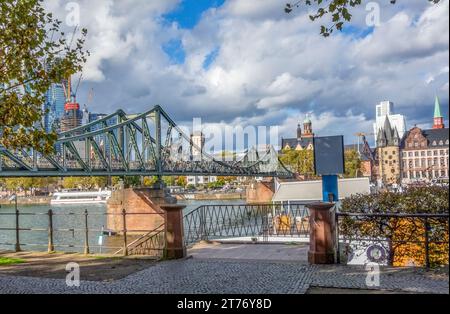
148,144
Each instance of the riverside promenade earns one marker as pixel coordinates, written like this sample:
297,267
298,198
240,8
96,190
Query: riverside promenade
223,269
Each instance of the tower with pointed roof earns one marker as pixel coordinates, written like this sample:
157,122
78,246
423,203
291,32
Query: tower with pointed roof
438,118
307,126
388,149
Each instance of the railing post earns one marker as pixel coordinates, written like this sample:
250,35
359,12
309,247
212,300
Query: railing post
202,223
51,246
427,244
125,244
338,247
17,246
86,233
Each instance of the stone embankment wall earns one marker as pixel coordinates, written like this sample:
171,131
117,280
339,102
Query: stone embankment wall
31,200
213,196
260,192
142,206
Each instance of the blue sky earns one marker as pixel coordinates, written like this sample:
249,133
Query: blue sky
246,62
189,12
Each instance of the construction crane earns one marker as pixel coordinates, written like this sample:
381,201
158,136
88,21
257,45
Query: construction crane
361,135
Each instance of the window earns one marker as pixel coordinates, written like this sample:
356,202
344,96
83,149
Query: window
416,154
435,152
429,153
410,154
446,142
416,144
434,143
422,153
404,154
441,142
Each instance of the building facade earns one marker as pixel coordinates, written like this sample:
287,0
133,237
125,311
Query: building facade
421,155
388,152
386,109
304,140
425,153
198,141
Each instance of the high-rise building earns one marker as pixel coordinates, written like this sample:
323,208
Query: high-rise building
72,116
54,107
386,109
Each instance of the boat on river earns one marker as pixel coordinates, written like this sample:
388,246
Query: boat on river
80,198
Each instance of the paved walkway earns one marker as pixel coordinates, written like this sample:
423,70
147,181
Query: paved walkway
239,270
266,252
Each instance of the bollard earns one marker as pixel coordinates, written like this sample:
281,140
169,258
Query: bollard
86,233
51,247
322,237
175,247
125,244
17,247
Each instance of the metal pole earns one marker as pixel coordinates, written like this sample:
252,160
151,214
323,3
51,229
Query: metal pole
125,244
427,244
51,247
158,145
86,233
17,228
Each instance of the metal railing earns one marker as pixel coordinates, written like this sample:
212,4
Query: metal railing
143,242
399,238
213,222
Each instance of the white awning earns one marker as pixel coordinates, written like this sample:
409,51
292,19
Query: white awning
306,191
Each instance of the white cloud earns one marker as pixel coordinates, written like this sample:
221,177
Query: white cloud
270,68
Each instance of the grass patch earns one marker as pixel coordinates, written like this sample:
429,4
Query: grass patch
105,257
5,261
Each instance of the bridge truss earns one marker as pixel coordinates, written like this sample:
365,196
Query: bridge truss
148,144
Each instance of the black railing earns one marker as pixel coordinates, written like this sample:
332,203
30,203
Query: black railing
81,232
397,239
259,222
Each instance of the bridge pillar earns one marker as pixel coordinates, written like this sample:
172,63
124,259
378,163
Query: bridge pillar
143,206
174,231
321,234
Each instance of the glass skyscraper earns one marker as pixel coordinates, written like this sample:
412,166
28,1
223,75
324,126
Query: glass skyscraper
54,107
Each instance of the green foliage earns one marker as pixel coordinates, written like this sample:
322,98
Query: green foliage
34,53
181,181
85,183
14,184
338,10
352,164
405,235
218,184
427,199
299,161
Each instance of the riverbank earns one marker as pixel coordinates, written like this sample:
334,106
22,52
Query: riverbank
29,200
211,196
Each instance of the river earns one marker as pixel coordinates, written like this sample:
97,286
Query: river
66,217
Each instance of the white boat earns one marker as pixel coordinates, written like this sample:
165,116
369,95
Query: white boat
74,198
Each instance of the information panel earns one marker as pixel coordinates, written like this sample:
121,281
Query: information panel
329,155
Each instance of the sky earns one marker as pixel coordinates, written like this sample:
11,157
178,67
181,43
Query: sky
242,62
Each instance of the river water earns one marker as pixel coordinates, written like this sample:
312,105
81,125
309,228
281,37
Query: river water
66,218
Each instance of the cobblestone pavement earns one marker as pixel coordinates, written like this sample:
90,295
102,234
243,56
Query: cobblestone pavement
234,276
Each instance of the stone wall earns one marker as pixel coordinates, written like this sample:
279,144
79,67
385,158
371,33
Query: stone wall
260,192
144,202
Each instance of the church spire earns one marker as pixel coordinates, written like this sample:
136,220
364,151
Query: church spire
438,118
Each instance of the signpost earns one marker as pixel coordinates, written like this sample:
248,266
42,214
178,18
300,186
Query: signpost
329,162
